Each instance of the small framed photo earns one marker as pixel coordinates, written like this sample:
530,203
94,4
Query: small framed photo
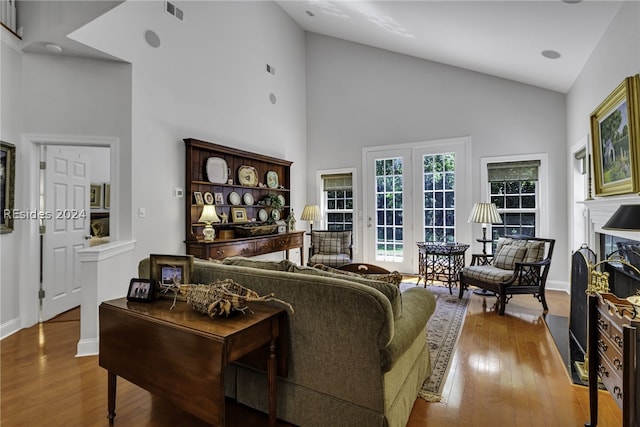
95,196
142,290
169,272
208,198
238,215
197,196
219,198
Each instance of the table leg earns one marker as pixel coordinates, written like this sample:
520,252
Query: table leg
111,396
271,377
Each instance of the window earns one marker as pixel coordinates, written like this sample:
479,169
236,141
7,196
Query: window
514,190
439,197
338,199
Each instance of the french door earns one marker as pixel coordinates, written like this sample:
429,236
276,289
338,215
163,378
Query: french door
413,194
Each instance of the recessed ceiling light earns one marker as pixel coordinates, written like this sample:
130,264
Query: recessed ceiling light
571,1
53,48
551,54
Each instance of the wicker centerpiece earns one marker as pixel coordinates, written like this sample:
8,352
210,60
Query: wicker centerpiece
256,229
224,297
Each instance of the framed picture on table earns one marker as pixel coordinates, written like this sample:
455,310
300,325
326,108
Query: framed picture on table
169,272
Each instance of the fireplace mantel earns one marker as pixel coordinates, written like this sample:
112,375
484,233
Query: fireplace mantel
598,212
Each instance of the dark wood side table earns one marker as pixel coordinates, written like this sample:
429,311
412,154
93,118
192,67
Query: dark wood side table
180,354
440,261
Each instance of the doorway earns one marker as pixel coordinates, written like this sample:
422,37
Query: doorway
36,248
414,193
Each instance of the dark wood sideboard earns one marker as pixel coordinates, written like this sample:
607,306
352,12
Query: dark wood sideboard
272,178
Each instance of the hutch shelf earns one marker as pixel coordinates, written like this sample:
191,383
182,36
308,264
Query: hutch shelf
240,184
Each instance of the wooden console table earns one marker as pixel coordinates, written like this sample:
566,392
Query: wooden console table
248,246
180,354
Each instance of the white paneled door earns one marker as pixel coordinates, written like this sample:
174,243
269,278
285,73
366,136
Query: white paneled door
66,205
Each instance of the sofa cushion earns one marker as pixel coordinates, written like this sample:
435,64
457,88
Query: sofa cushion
282,265
330,246
394,277
487,274
331,260
390,291
508,255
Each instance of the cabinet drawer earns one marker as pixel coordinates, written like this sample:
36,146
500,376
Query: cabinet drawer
610,379
221,251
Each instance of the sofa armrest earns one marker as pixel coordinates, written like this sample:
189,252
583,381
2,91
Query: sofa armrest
418,304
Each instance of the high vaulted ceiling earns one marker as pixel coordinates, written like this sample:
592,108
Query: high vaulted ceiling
501,38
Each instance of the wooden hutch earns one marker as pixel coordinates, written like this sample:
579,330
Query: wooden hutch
242,188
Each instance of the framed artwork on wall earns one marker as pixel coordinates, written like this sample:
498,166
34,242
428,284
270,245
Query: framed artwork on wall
95,196
615,142
7,185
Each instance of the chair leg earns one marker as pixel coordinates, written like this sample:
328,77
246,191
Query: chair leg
503,303
543,300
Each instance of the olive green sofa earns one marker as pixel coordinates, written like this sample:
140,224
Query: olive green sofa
357,348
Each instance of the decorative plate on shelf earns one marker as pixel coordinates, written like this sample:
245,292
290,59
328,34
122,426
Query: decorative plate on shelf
208,198
217,171
263,215
275,214
248,175
282,200
234,198
248,199
272,179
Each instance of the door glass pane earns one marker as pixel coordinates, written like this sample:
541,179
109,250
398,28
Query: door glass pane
389,215
439,197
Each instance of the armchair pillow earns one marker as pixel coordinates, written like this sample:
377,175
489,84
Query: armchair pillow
330,246
508,255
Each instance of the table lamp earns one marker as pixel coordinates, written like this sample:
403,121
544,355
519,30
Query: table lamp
485,214
311,213
208,216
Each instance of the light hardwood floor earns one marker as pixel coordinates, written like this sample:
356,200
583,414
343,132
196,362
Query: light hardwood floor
506,371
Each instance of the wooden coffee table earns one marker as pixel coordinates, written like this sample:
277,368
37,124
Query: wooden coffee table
181,354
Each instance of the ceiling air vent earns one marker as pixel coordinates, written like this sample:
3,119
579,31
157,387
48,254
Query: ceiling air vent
174,10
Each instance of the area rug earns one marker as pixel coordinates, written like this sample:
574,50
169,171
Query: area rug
443,331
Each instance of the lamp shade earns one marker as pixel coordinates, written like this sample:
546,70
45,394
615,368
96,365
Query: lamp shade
311,213
209,214
485,213
627,217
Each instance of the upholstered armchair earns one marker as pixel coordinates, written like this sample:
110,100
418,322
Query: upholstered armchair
331,248
519,266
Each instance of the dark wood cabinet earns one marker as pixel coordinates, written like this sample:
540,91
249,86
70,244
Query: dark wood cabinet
613,345
266,176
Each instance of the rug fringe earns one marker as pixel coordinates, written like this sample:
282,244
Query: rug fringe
429,397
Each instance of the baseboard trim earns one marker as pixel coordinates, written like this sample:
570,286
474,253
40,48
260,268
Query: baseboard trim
88,347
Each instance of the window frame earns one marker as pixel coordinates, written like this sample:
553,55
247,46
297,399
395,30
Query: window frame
542,190
321,200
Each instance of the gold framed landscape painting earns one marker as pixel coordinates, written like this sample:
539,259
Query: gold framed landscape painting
615,141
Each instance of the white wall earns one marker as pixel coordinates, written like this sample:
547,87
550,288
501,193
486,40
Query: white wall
207,80
358,96
10,131
616,57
